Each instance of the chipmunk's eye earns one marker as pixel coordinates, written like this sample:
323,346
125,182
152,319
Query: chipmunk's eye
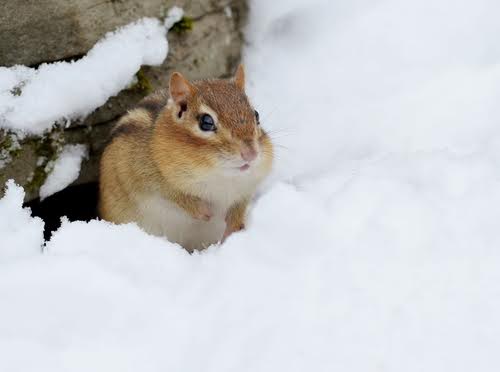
257,118
206,123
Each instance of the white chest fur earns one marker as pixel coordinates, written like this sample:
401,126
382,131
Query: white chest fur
162,217
159,216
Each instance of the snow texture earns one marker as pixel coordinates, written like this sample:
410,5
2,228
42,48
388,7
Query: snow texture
374,246
32,100
21,234
173,16
65,170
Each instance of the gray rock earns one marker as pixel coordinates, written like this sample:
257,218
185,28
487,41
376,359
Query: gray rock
36,31
61,29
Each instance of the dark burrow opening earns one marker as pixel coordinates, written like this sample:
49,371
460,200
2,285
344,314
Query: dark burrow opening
77,202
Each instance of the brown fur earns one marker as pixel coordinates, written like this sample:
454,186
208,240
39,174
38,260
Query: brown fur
158,149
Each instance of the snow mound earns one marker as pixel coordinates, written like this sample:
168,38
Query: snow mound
65,170
32,100
351,79
386,282
21,234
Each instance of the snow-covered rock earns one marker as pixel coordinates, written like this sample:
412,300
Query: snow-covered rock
64,171
32,100
211,48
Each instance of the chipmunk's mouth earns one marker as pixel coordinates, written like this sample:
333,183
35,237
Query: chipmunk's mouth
238,166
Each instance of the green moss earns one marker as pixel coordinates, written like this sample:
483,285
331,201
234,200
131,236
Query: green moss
182,26
6,143
16,91
9,147
47,149
141,83
37,179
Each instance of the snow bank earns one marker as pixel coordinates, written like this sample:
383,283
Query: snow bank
32,100
352,79
364,290
65,170
374,247
21,235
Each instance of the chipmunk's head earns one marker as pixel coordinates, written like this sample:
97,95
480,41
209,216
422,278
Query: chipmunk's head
217,125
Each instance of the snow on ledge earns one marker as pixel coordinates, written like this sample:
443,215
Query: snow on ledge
66,170
32,100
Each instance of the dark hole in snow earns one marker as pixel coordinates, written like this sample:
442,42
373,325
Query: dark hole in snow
77,202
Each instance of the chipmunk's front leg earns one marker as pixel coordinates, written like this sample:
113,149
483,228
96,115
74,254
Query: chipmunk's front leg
192,205
235,218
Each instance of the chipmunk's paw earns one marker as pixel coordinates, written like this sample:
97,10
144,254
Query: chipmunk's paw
203,211
231,229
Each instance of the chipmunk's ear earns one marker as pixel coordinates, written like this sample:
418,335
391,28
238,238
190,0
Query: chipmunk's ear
239,77
180,89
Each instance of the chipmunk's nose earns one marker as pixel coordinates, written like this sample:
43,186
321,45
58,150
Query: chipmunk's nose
248,152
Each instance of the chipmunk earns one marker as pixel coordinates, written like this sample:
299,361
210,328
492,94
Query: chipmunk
186,162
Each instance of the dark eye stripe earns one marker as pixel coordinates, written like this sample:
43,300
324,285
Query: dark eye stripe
257,117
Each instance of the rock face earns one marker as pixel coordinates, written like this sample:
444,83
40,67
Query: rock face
206,43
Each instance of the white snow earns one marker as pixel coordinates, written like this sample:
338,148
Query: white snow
64,91
374,247
21,235
174,15
65,170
